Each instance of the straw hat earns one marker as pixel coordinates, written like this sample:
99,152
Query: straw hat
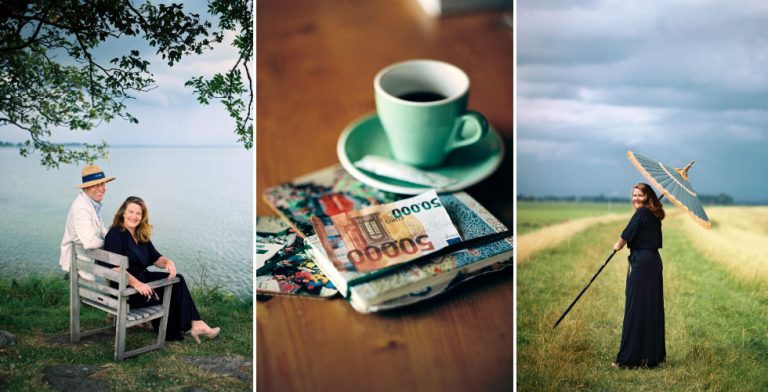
93,175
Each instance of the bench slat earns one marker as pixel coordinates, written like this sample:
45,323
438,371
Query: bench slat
102,298
137,314
100,271
107,257
98,306
100,287
142,313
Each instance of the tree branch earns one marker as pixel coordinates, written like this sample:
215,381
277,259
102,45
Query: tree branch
250,90
33,38
90,67
9,121
138,14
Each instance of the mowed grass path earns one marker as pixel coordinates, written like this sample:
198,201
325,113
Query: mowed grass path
716,332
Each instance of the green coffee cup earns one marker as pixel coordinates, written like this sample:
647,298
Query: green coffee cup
422,105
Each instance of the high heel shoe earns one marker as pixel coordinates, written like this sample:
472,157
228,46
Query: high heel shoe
210,334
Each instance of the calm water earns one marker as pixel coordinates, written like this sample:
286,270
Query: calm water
200,201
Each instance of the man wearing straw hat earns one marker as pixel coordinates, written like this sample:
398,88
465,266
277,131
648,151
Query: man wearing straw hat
84,225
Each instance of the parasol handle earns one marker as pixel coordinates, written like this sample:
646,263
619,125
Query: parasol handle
583,290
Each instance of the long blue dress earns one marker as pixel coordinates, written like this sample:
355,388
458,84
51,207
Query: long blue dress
140,257
642,335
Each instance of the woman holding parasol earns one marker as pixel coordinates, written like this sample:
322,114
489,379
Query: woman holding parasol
642,337
642,334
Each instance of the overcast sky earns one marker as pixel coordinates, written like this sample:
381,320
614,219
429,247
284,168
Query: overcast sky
169,114
670,80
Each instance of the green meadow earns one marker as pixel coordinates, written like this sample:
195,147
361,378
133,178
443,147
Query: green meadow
36,310
533,215
716,309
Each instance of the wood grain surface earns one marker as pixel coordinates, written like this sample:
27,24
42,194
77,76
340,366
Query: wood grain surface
316,60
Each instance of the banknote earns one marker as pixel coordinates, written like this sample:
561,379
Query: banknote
387,234
325,192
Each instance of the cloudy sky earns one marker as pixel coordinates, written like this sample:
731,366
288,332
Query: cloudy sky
671,80
169,114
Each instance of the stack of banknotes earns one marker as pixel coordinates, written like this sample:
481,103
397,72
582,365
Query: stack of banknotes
378,249
384,235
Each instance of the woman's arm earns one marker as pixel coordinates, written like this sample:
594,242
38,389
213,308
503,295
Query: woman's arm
162,261
619,244
140,286
168,265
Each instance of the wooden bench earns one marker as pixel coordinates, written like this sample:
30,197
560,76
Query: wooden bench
98,294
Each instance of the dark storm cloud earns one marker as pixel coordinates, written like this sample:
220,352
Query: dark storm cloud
673,80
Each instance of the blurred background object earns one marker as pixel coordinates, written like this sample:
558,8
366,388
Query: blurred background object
453,7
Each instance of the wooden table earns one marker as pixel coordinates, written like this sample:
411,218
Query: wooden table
316,60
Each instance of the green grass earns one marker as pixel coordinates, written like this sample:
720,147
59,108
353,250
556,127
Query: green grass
533,215
716,334
36,309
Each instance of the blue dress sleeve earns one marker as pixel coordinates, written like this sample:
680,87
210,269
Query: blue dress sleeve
153,253
629,233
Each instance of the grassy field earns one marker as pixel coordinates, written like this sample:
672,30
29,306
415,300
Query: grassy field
716,312
532,216
36,310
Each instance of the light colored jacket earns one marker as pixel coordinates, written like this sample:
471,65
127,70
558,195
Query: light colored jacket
83,228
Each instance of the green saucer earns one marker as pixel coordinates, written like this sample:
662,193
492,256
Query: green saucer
469,165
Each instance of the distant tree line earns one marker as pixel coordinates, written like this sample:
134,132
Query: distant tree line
719,199
572,198
11,144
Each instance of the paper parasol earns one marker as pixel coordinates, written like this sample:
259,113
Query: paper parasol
673,183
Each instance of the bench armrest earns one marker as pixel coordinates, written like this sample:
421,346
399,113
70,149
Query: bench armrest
153,284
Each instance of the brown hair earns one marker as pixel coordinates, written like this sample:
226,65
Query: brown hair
144,229
652,201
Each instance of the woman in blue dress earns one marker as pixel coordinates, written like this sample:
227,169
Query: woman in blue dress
642,334
129,236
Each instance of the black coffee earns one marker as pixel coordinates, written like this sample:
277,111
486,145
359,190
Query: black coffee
422,96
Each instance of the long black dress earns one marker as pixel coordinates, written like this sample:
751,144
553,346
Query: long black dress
140,257
642,336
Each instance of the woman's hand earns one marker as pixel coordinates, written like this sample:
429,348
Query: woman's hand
140,286
619,244
143,288
170,266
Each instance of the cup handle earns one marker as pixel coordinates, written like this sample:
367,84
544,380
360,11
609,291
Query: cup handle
480,125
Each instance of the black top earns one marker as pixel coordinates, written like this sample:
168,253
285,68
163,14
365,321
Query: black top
140,256
643,230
